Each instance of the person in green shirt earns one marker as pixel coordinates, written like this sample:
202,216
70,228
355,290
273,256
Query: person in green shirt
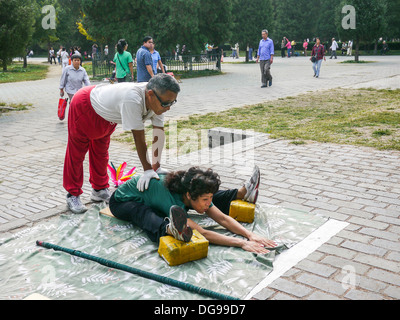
123,61
162,208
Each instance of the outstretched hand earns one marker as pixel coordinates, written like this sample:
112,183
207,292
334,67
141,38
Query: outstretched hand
262,241
255,247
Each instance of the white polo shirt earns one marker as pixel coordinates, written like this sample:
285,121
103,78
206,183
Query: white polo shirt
124,103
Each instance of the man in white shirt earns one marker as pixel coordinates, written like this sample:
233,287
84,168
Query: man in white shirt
64,58
94,114
334,47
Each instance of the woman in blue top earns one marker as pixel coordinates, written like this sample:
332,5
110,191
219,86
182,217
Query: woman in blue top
123,60
162,208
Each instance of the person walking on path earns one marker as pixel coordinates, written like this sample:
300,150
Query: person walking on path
318,52
64,58
52,56
124,62
144,61
288,46
305,47
157,62
350,48
73,76
334,47
94,114
265,56
283,48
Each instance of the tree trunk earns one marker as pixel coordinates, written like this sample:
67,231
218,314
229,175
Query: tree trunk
25,62
4,65
357,55
376,47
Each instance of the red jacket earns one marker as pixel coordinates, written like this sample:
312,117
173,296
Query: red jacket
319,51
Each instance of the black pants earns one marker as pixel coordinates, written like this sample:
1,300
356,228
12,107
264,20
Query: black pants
154,224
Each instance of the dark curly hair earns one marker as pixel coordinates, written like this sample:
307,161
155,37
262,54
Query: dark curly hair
195,181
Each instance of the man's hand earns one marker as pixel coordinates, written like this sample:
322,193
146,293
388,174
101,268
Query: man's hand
61,93
144,181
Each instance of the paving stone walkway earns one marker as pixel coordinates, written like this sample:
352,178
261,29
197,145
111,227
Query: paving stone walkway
354,184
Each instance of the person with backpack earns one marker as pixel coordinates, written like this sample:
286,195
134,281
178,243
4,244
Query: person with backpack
124,62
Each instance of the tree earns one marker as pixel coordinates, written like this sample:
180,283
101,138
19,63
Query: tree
189,22
43,37
16,28
296,19
250,18
369,17
393,21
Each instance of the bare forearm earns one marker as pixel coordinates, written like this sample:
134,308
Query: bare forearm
150,70
227,222
222,240
141,148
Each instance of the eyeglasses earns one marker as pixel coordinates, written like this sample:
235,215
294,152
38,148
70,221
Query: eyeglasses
164,104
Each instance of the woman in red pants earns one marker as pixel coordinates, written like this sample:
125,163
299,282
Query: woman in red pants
94,114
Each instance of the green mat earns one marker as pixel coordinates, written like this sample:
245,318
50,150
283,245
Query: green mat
26,268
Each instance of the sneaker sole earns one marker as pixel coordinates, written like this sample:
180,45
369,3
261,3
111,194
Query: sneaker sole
253,196
179,220
255,189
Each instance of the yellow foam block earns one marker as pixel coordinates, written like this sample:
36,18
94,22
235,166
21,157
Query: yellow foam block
176,252
242,211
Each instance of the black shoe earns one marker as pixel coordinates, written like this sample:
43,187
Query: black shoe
264,85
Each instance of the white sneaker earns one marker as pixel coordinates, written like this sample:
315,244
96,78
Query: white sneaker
101,195
252,186
75,205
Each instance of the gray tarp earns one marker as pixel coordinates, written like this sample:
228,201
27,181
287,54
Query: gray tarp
26,268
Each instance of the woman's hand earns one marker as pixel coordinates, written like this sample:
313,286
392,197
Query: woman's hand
253,246
262,241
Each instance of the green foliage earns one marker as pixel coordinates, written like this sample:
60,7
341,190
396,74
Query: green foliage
250,17
189,22
169,22
16,27
370,21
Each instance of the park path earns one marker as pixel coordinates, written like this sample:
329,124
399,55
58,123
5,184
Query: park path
356,185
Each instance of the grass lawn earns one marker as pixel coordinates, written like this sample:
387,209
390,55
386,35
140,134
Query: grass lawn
364,117
15,73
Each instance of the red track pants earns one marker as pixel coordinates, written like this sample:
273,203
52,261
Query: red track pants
87,131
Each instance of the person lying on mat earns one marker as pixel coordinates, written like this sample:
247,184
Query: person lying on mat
162,208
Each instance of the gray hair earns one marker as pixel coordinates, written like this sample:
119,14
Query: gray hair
265,30
163,82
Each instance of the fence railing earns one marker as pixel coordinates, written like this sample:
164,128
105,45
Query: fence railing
103,68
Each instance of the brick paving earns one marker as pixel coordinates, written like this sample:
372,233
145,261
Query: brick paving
347,183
